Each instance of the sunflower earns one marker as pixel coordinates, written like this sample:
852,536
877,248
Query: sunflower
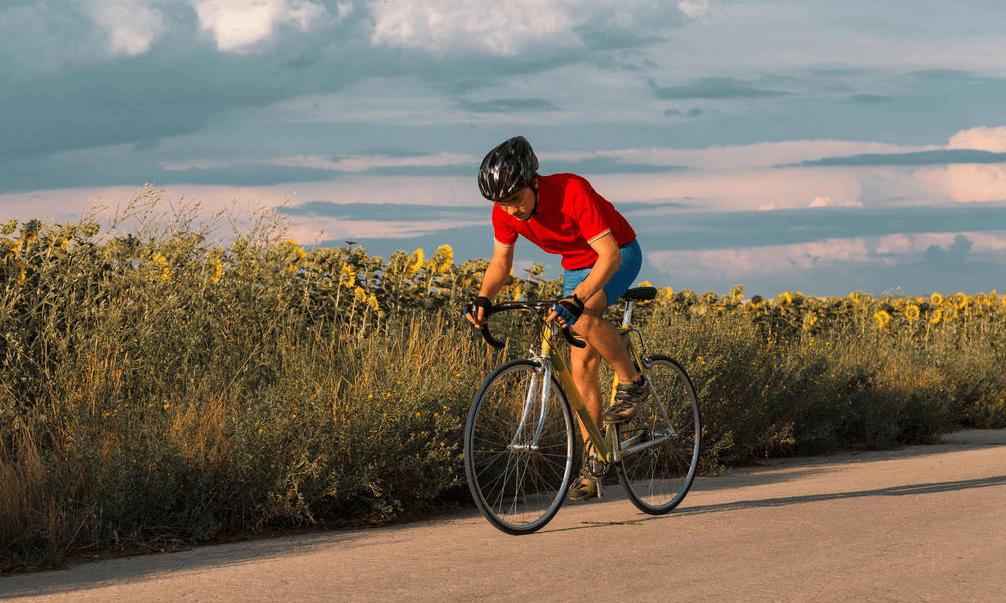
416,262
912,312
949,311
218,271
446,258
936,299
882,318
936,316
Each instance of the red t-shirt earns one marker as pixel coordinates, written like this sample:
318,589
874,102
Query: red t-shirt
570,215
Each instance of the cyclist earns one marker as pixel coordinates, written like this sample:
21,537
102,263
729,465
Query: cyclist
562,214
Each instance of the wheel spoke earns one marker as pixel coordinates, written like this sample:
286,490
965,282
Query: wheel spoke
661,443
518,475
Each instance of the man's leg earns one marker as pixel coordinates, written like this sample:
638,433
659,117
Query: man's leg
604,339
585,364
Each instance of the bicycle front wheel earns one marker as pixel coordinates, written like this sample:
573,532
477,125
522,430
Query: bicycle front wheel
519,448
660,444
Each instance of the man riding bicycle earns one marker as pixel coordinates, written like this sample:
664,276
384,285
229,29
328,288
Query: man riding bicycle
562,214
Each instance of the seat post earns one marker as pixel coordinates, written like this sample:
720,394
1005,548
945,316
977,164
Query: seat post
627,316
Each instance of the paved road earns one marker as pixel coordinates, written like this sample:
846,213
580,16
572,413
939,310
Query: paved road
925,523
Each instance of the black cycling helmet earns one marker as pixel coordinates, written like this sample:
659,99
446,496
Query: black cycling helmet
508,168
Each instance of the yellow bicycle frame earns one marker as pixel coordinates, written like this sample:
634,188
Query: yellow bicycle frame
602,443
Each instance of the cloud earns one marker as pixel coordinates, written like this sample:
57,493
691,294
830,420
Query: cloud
871,99
714,88
955,255
507,105
974,182
992,140
131,26
390,212
920,263
44,36
975,161
236,25
694,8
958,155
448,27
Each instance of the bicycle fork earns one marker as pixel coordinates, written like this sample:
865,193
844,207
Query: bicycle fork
538,389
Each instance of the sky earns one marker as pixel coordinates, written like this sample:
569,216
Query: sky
814,146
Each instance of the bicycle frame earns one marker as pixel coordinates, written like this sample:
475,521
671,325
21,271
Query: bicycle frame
519,459
555,364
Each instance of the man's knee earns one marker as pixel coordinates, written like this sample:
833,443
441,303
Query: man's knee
584,360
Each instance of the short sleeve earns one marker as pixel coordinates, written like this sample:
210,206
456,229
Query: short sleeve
586,208
502,232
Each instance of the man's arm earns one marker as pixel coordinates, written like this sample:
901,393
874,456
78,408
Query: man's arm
496,277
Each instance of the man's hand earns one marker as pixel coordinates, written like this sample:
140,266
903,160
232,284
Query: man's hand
475,311
566,311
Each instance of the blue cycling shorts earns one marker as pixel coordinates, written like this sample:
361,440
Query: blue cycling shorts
632,261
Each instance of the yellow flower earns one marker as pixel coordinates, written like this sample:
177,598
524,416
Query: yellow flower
912,312
218,271
809,321
347,276
416,263
882,318
299,254
959,300
949,311
936,316
162,261
936,299
446,258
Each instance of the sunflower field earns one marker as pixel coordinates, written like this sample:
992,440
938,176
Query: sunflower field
159,388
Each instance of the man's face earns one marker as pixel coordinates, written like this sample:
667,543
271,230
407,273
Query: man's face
520,204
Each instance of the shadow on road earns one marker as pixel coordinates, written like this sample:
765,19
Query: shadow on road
138,568
912,490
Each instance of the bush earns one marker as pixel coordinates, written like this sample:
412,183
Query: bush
158,388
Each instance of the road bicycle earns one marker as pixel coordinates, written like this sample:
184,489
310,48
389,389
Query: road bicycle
522,443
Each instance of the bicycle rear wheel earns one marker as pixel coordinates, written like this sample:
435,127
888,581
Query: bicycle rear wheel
660,445
519,453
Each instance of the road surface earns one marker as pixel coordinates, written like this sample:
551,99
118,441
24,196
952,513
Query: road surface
923,523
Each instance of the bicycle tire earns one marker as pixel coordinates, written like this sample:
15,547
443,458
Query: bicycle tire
519,482
657,476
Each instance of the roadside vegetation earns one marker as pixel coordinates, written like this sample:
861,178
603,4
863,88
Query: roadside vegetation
160,388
